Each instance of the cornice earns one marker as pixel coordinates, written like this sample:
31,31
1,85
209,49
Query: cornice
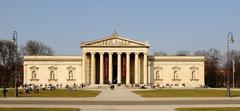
52,58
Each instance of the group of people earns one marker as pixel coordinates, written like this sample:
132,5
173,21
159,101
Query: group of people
27,89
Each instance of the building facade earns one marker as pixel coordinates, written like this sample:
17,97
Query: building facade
115,59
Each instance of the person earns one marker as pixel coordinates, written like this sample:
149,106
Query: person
114,81
82,85
37,89
5,91
113,87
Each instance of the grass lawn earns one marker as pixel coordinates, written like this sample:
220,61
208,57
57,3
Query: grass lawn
186,93
54,93
39,109
209,109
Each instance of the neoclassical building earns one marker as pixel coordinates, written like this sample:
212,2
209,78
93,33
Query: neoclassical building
115,59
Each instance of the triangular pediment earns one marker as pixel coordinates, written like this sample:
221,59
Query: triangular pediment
114,40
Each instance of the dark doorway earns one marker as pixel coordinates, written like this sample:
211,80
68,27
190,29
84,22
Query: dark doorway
97,69
114,67
114,81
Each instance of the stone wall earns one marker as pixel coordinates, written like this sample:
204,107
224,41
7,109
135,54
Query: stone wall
177,71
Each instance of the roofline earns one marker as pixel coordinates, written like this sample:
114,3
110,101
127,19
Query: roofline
178,58
119,46
52,58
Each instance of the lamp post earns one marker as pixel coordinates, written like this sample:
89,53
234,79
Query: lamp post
233,71
229,40
16,69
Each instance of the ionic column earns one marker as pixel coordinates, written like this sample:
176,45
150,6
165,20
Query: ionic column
149,72
128,68
119,68
145,69
101,68
136,69
83,67
110,67
93,68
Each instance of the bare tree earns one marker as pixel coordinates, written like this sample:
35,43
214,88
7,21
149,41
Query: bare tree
213,77
9,59
201,53
160,53
183,53
214,70
234,56
36,48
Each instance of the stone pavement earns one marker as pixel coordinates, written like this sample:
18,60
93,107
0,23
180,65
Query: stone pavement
117,107
118,94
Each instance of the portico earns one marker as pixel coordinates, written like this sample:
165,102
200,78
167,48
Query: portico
114,60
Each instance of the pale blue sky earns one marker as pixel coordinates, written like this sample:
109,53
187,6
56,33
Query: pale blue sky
168,25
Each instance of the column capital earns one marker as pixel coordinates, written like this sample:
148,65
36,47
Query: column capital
101,53
93,53
145,53
110,53
136,53
119,53
84,53
128,53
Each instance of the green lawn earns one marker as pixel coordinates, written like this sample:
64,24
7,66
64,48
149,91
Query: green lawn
209,109
55,93
39,109
186,93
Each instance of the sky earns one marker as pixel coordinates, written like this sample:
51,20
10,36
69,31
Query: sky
168,25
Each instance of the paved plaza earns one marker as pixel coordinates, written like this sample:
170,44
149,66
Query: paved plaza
118,94
120,99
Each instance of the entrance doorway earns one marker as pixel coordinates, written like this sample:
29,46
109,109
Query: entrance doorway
114,67
114,81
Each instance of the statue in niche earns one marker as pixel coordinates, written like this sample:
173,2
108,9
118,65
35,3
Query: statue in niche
34,75
70,74
52,75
